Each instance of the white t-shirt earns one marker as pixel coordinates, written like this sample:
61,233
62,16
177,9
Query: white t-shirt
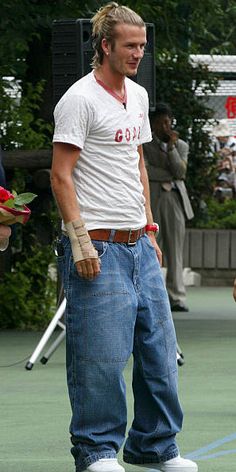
106,176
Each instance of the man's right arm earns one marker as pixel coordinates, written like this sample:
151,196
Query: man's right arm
65,157
64,160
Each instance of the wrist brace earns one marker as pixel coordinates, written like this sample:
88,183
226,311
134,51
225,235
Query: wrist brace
81,244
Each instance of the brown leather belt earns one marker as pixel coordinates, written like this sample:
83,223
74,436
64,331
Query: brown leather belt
118,235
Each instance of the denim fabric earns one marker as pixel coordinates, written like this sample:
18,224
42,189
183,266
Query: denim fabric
124,310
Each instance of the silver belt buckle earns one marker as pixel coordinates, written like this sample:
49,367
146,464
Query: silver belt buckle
129,239
129,242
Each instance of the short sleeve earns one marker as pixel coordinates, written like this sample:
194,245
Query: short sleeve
73,117
146,134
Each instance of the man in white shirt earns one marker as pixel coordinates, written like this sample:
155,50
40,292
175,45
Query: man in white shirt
109,260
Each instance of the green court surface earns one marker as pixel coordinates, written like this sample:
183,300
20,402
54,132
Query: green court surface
35,411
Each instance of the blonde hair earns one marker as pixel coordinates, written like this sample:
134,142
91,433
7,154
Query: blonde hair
103,24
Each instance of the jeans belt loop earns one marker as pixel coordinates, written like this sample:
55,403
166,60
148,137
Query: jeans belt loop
112,235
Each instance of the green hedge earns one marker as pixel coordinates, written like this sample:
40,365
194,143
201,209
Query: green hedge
27,293
216,215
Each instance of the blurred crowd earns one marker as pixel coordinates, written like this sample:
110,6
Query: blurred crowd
225,148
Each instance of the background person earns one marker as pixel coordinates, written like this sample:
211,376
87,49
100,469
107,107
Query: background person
167,156
224,145
225,148
116,299
234,290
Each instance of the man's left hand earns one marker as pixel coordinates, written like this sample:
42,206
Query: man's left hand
156,247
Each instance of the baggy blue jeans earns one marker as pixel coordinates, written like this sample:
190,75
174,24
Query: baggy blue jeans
124,310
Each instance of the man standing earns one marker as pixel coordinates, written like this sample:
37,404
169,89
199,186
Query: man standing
167,157
116,300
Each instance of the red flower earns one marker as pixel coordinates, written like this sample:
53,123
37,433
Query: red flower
5,195
13,207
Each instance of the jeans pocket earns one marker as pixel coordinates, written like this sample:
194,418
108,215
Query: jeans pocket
101,247
148,241
60,248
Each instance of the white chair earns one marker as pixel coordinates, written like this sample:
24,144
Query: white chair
56,321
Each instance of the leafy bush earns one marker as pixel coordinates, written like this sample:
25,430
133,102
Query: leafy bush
20,128
216,215
28,295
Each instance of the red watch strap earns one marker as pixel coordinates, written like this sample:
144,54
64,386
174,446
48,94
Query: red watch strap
154,227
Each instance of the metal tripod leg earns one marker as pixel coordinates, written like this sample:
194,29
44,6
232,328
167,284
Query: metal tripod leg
54,345
51,327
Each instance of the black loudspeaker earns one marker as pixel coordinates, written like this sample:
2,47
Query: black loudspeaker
72,54
146,75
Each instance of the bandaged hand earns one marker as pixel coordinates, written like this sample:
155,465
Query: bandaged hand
81,243
84,254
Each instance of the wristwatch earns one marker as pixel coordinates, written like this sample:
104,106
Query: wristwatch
154,228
